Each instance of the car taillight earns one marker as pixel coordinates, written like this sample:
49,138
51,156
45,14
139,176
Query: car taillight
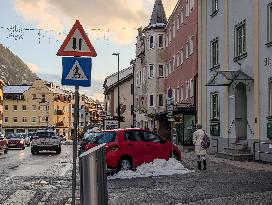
113,148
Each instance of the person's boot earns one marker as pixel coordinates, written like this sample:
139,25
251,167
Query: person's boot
199,165
204,164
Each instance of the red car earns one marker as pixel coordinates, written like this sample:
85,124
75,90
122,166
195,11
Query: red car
129,148
16,141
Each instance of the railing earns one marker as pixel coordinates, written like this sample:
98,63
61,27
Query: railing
250,129
60,124
260,150
229,131
59,112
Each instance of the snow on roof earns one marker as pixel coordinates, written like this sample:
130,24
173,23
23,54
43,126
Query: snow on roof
112,79
10,89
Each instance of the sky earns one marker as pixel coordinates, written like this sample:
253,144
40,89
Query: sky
110,24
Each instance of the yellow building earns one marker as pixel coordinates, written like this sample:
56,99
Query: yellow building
1,103
41,105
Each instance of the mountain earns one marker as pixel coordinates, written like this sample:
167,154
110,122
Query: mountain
13,70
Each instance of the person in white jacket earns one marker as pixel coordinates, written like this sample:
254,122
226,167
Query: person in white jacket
201,152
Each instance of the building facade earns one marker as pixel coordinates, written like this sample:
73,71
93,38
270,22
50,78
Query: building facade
181,68
2,84
149,72
235,73
40,105
126,97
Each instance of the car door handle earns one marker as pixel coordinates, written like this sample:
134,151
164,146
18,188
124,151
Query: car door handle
130,145
148,145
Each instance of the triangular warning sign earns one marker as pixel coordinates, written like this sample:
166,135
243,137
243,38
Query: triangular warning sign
77,43
76,73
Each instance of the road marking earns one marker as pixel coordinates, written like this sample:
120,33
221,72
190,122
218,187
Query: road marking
20,197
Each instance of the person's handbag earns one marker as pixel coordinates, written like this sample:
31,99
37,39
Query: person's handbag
205,144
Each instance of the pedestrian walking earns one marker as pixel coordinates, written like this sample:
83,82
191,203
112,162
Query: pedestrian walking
201,146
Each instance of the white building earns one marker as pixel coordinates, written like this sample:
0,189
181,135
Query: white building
126,96
235,72
149,71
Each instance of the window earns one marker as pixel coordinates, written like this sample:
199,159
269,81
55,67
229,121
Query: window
160,100
214,106
151,101
181,57
34,107
161,71
151,137
187,50
24,120
214,53
151,42
215,7
174,62
192,88
15,119
174,30
177,95
34,97
269,24
6,107
131,89
181,17
166,71
181,93
170,67
160,41
240,41
187,89
6,119
151,71
178,22
24,107
192,5
170,35
177,59
191,45
134,136
15,107
167,40
270,97
187,8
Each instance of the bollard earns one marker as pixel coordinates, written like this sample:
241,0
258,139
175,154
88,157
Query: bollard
93,177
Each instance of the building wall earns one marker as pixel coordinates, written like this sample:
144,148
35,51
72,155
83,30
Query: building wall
53,102
1,103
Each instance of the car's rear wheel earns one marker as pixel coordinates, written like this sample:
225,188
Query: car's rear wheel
23,147
175,156
125,164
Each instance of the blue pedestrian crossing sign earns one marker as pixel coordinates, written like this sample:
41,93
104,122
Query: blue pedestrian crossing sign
76,71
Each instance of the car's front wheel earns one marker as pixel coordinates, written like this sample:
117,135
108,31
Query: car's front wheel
125,164
6,150
58,151
175,155
23,147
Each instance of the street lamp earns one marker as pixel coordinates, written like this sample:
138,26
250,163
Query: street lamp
118,54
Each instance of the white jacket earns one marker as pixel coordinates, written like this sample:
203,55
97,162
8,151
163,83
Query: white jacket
197,139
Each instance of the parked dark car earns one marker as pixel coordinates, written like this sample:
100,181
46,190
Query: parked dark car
129,148
16,141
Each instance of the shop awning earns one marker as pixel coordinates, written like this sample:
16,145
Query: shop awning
226,78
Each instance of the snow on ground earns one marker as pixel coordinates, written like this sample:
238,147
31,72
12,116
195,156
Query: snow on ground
158,167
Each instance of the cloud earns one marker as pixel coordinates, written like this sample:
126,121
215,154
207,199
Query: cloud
109,15
34,68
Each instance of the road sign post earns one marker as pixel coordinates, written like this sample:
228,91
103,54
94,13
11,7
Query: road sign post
77,72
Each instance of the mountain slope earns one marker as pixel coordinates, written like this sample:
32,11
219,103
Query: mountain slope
13,70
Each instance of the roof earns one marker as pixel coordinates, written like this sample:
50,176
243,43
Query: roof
226,78
15,89
113,79
158,18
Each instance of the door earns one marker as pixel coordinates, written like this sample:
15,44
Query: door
241,111
156,149
134,146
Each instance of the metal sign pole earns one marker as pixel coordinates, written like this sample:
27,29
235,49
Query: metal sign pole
76,119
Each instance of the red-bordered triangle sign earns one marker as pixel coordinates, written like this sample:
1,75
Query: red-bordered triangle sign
77,43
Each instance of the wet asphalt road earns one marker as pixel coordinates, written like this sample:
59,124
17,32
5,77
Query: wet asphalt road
46,180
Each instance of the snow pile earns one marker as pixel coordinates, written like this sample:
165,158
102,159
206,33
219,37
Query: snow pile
158,167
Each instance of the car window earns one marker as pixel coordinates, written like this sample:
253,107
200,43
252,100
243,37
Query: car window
10,136
19,136
45,134
134,136
151,137
104,137
89,137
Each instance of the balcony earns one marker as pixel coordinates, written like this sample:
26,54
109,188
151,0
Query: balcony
59,112
60,124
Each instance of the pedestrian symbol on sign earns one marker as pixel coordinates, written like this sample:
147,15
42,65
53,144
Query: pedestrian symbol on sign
76,73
